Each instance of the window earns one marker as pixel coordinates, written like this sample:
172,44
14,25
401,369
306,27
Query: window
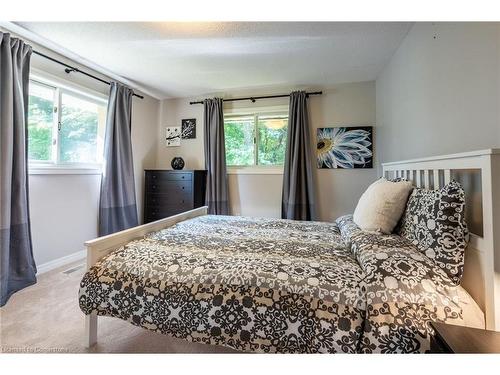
65,127
256,139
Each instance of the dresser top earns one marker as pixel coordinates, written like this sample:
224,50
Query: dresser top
174,170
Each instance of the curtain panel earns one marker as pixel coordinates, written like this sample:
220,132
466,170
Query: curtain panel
117,208
17,265
298,188
215,157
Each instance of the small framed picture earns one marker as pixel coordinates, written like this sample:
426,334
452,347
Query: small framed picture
173,137
189,128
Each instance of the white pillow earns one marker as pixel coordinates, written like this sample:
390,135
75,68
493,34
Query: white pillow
382,205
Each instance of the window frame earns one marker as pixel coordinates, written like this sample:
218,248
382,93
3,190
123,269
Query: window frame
255,112
61,86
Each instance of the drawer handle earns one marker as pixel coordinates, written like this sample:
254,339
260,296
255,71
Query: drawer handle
182,177
183,188
154,176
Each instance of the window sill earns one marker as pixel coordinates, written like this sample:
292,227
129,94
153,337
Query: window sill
42,170
255,170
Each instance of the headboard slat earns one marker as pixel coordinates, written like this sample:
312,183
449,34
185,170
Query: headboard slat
447,176
436,179
426,179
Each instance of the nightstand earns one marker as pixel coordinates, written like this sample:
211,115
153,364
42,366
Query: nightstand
456,339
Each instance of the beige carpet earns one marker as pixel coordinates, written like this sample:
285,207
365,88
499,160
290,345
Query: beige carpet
45,318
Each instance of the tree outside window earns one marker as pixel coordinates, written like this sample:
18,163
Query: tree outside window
255,140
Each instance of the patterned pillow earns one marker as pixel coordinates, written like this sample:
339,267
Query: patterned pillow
399,179
348,229
434,221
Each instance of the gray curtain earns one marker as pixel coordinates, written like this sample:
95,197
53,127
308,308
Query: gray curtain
298,189
17,266
215,158
117,209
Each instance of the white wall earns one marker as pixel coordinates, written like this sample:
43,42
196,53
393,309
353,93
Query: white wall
440,92
63,211
64,208
260,195
353,104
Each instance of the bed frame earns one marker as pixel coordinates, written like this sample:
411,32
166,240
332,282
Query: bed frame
479,173
100,247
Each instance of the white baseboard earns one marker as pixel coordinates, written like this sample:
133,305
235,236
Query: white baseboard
53,264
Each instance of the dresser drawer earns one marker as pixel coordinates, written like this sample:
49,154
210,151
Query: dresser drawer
169,187
168,176
160,200
156,213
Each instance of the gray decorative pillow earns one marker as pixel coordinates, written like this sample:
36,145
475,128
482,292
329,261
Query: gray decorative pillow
434,221
347,228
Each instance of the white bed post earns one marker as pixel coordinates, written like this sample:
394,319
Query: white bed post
491,213
102,246
91,320
90,330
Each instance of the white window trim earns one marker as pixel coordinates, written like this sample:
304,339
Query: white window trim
251,110
60,169
255,169
47,168
52,80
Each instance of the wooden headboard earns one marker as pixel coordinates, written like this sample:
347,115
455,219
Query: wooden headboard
479,174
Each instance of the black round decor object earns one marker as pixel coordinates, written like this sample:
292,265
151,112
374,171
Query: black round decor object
177,163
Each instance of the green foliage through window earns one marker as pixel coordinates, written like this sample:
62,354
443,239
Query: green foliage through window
78,134
64,127
40,122
272,139
239,134
255,140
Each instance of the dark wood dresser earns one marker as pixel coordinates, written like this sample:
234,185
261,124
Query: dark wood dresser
169,192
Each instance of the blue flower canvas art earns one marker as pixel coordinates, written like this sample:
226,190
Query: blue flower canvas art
344,147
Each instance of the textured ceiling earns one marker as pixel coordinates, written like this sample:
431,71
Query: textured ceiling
190,59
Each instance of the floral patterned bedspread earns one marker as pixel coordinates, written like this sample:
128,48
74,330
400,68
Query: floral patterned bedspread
272,285
405,290
263,285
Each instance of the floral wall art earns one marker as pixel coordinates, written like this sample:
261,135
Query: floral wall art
345,147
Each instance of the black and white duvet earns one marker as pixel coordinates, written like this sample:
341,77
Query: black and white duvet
271,285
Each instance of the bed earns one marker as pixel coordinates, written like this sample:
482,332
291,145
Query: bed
271,285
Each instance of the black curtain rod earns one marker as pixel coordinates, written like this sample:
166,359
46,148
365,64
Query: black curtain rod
70,69
254,98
